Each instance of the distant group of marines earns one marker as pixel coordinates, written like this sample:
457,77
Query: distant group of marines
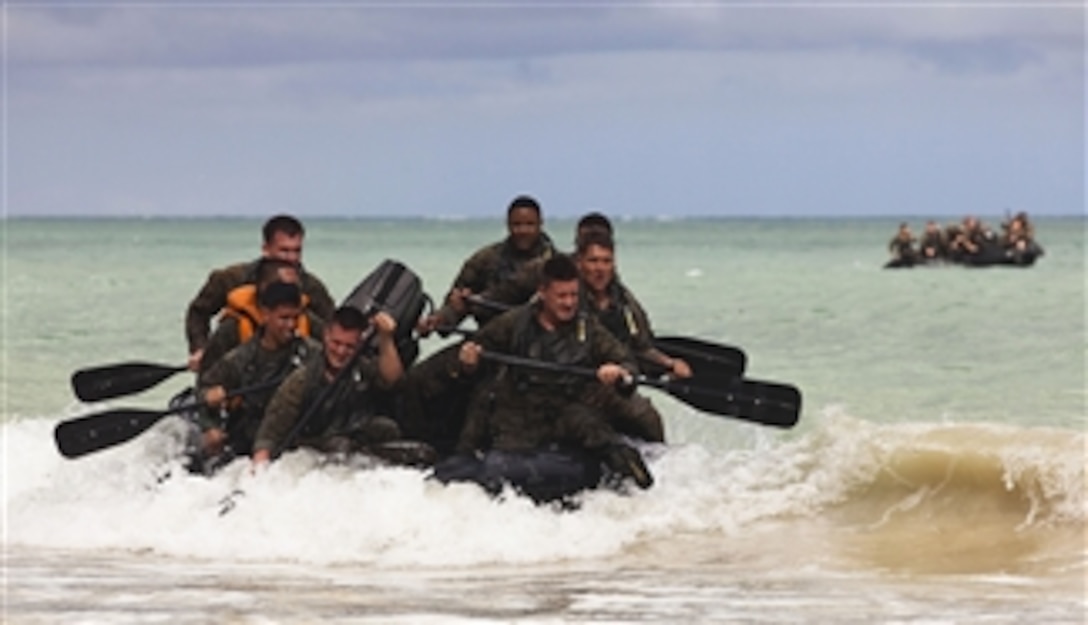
970,242
280,333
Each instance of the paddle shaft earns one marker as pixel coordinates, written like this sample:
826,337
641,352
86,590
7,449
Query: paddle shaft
767,403
710,354
707,360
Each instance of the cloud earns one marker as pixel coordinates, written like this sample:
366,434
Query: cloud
293,33
330,106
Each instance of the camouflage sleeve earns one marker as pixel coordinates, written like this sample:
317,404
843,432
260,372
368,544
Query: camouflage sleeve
321,303
211,298
607,348
474,276
476,271
226,372
498,335
642,340
520,289
283,411
224,338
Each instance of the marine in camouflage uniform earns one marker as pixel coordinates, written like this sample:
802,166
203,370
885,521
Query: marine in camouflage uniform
605,297
329,404
520,287
267,357
522,409
242,310
495,264
519,411
212,297
283,236
631,414
343,421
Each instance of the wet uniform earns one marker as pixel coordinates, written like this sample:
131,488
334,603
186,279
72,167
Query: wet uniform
490,267
518,408
346,419
626,320
247,365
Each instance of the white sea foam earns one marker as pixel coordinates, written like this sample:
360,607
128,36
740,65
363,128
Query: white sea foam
136,497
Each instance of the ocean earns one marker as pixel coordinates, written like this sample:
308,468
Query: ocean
937,474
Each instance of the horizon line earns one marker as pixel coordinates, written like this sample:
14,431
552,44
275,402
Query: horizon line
498,216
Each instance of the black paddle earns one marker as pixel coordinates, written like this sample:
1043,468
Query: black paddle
110,381
706,359
83,435
709,362
768,403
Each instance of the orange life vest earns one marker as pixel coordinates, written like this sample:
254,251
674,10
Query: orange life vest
242,306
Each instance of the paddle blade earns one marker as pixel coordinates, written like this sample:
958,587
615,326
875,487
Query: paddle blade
83,435
102,383
767,403
712,362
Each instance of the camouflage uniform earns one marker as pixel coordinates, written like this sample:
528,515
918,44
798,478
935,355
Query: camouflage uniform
247,365
492,266
433,399
345,419
626,320
434,396
518,288
213,297
518,408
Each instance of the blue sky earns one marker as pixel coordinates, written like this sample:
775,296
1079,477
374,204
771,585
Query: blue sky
634,108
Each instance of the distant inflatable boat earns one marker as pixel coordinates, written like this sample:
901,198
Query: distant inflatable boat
989,256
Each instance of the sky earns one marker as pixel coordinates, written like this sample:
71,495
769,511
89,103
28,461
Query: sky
656,109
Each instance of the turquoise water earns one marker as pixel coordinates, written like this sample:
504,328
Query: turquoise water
937,472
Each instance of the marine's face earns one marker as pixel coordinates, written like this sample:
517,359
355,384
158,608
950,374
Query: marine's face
284,247
340,345
523,224
281,322
597,265
559,300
